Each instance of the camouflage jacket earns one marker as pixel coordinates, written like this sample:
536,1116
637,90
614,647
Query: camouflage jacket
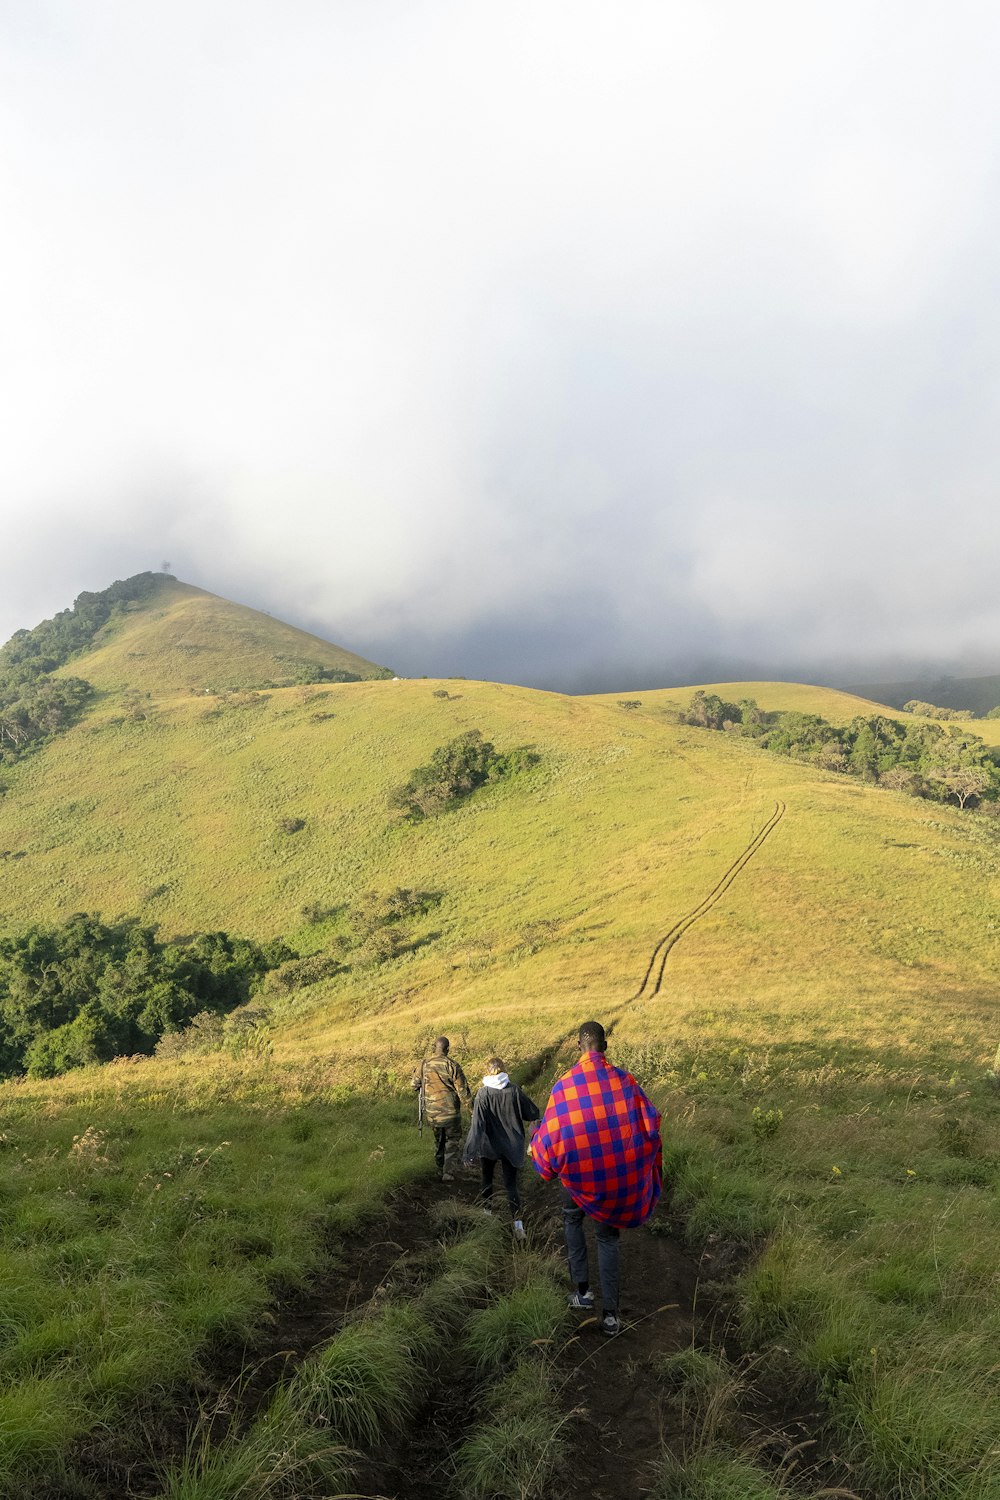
444,1088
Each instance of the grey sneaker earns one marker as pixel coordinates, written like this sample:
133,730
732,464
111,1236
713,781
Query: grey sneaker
581,1301
518,1229
611,1324
447,1177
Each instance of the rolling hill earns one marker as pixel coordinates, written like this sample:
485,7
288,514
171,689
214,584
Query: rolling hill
181,639
818,1035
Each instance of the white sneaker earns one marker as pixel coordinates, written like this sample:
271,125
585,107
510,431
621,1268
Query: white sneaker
518,1229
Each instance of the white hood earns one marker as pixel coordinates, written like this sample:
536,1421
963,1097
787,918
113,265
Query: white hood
495,1081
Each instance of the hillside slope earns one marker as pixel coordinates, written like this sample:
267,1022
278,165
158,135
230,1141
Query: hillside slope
626,821
183,639
818,1042
783,697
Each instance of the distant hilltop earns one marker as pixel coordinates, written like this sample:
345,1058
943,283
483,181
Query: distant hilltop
155,634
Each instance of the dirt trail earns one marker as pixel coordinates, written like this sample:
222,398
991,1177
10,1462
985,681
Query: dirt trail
618,1416
669,940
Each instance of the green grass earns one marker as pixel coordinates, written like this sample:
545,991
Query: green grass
846,979
518,1447
529,1316
717,1475
516,1457
693,1372
364,1383
127,1262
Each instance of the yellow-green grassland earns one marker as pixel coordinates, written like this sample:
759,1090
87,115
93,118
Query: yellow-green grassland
819,1046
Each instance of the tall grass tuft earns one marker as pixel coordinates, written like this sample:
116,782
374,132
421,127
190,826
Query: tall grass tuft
517,1454
530,1315
364,1382
276,1461
715,1475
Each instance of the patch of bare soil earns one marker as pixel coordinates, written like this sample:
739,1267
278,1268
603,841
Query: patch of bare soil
619,1419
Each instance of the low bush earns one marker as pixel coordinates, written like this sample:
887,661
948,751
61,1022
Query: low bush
297,973
372,911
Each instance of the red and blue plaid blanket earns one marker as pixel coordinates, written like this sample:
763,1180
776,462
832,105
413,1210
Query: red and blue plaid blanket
600,1136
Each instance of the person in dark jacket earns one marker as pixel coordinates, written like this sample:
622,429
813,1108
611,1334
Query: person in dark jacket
497,1135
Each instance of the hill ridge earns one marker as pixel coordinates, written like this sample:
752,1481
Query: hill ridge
182,639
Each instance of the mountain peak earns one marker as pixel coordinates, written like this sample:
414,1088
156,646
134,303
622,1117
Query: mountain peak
178,638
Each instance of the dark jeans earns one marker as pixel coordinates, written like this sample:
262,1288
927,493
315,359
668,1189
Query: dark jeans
488,1168
576,1249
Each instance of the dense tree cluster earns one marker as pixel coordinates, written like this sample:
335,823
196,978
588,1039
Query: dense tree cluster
33,709
308,672
931,710
53,642
86,991
33,704
927,760
454,771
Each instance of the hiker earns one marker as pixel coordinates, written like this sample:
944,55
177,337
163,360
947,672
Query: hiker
442,1087
600,1136
497,1135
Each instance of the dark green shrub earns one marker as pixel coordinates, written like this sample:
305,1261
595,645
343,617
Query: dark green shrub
454,772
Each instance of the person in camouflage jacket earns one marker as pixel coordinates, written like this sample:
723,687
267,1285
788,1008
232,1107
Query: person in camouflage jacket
442,1087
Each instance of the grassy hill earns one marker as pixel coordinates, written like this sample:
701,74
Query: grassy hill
829,703
841,990
182,639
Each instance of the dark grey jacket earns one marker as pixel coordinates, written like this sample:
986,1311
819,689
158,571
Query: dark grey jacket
497,1129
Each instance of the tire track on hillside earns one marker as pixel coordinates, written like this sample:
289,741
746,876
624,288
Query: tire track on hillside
660,954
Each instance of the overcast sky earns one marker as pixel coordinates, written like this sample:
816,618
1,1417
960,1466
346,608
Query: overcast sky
568,343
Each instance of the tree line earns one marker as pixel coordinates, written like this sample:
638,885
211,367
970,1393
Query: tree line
86,991
945,764
33,703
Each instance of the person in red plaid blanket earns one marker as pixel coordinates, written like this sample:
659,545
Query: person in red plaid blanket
600,1136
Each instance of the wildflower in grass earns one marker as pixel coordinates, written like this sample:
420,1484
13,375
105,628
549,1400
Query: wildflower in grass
836,1172
765,1122
89,1147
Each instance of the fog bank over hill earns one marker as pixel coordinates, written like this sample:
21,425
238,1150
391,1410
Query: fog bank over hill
581,347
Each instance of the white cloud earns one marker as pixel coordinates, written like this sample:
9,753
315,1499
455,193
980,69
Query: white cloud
424,322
